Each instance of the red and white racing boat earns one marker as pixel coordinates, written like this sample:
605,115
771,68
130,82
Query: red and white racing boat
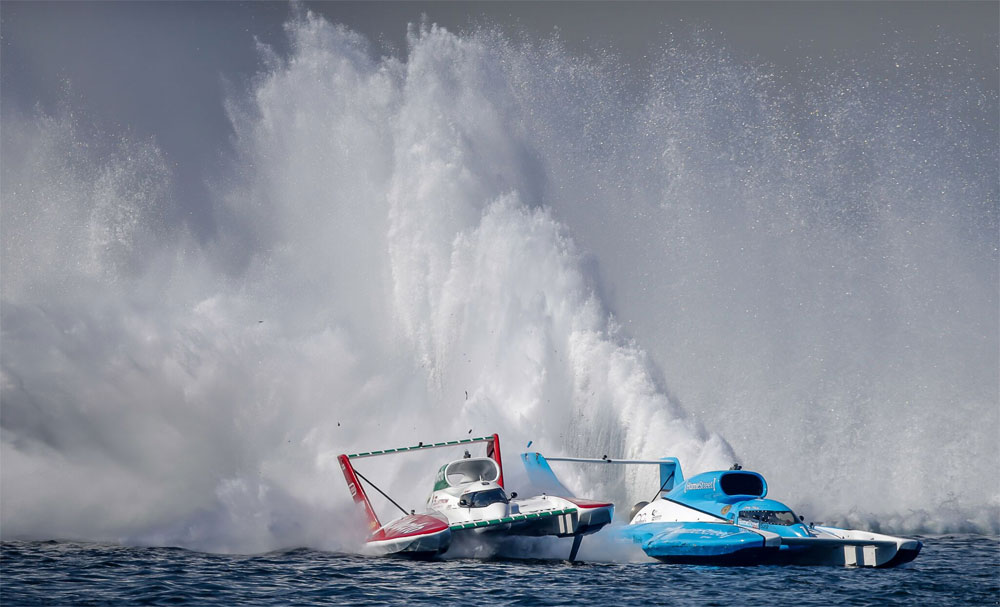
469,498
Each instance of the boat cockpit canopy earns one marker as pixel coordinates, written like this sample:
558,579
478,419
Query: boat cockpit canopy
769,517
481,499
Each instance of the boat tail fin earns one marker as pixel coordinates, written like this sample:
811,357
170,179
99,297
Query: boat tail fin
541,476
358,492
670,474
493,451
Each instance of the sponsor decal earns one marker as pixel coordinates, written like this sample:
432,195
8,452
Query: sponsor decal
354,490
403,526
700,485
725,510
714,532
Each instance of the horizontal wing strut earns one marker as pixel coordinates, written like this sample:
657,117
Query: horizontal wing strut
606,460
540,472
451,443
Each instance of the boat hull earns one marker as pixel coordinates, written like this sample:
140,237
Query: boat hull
415,535
727,544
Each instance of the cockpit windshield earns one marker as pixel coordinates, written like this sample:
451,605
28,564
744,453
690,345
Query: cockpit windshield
481,499
769,517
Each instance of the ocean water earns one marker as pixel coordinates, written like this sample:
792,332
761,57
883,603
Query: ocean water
951,570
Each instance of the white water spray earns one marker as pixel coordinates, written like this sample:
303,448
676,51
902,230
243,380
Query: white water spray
411,249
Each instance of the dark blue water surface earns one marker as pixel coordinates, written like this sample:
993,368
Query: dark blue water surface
951,570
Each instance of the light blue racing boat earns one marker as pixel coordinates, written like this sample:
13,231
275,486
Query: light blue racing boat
724,518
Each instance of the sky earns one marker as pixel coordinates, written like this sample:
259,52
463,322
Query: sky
161,71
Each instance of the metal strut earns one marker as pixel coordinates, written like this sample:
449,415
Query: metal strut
362,477
669,478
577,539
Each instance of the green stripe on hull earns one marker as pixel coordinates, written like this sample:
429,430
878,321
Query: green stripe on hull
511,519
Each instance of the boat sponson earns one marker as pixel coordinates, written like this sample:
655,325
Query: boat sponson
412,535
701,540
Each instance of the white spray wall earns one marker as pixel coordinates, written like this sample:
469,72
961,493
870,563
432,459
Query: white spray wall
499,237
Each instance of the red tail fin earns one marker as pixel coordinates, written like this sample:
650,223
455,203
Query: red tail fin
493,451
358,492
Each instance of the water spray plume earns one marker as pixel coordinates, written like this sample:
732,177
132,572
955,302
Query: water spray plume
504,237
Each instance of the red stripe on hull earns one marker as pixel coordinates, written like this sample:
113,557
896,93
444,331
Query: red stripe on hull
409,526
581,503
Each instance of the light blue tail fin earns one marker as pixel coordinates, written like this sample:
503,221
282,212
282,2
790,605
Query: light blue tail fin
670,475
541,475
